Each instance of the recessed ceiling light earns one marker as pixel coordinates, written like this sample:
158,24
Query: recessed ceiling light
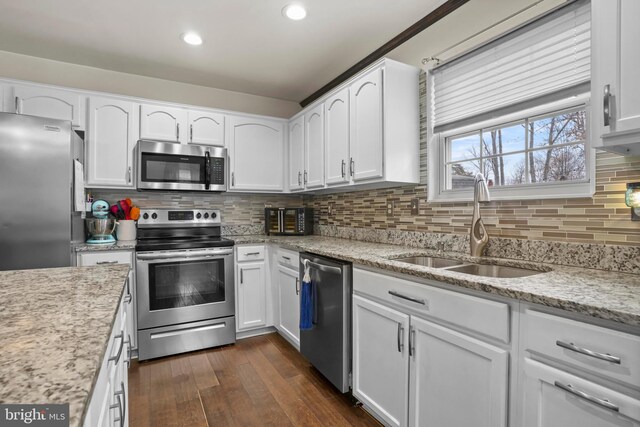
294,11
192,39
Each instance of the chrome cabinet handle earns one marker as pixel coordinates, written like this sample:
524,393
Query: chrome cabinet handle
191,133
299,178
297,286
241,276
128,297
602,356
116,358
606,110
18,105
286,257
408,298
598,401
412,341
129,174
177,131
233,179
128,343
106,262
252,253
400,337
352,166
118,405
305,177
343,167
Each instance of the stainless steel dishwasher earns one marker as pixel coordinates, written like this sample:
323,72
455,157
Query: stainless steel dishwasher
327,345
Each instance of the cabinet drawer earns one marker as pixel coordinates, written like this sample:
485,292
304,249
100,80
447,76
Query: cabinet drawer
250,253
106,258
589,346
288,258
490,318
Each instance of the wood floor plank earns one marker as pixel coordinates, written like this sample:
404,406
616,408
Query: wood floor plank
259,381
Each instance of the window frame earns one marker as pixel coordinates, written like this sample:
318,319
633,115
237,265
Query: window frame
438,158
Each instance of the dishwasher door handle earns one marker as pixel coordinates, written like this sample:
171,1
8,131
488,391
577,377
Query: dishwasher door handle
321,267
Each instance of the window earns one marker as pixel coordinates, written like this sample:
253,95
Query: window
548,148
515,110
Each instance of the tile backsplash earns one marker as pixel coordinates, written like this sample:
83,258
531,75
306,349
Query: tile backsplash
603,219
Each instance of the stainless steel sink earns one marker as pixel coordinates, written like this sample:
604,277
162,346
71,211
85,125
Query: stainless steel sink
428,261
494,271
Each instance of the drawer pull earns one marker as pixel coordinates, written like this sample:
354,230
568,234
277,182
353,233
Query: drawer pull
116,358
408,298
286,257
106,262
252,253
571,346
600,402
400,337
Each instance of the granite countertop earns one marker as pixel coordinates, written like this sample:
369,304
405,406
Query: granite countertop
603,294
56,324
120,245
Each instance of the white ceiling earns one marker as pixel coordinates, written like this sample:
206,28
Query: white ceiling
248,45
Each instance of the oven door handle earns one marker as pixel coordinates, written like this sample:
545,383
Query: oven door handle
189,255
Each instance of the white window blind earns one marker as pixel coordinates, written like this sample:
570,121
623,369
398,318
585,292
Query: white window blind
543,57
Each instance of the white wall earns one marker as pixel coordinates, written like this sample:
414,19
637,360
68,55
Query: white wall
30,68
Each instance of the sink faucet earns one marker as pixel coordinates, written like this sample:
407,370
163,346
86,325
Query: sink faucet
478,236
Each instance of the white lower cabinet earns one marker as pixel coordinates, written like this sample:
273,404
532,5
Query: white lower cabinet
411,371
288,288
109,404
555,398
450,371
251,288
381,360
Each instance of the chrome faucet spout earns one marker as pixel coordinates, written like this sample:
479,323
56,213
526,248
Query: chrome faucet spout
478,237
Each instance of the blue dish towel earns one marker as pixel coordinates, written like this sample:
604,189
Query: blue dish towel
306,302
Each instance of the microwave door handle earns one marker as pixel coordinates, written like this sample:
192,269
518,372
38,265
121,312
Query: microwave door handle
281,221
207,170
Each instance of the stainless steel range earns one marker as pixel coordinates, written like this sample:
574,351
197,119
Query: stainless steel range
184,283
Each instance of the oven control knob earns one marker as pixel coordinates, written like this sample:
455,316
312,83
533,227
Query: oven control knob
206,215
154,215
213,215
145,216
198,215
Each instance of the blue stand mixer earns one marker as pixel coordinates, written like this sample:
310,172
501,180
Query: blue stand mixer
100,228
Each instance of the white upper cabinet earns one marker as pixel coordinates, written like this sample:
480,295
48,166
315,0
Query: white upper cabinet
111,139
314,147
163,123
51,103
206,128
256,151
296,154
366,126
336,121
615,86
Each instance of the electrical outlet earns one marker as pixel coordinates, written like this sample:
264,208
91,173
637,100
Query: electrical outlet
329,209
391,206
415,206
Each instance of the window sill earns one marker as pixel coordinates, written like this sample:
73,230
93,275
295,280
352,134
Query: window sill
563,190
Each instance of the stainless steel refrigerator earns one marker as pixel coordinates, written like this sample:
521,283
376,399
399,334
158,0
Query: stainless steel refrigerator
37,221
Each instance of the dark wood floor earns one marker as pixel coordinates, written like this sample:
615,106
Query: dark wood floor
260,381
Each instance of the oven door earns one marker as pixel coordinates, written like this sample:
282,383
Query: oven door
171,166
176,287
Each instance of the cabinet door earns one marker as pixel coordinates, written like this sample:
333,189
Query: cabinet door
50,103
296,153
257,154
365,96
451,371
336,115
289,303
381,360
554,398
163,123
314,147
251,301
206,128
110,142
615,64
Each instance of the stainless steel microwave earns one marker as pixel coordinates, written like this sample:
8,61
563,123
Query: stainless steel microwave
288,221
186,167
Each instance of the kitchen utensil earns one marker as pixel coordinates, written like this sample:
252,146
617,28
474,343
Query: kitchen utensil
100,230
